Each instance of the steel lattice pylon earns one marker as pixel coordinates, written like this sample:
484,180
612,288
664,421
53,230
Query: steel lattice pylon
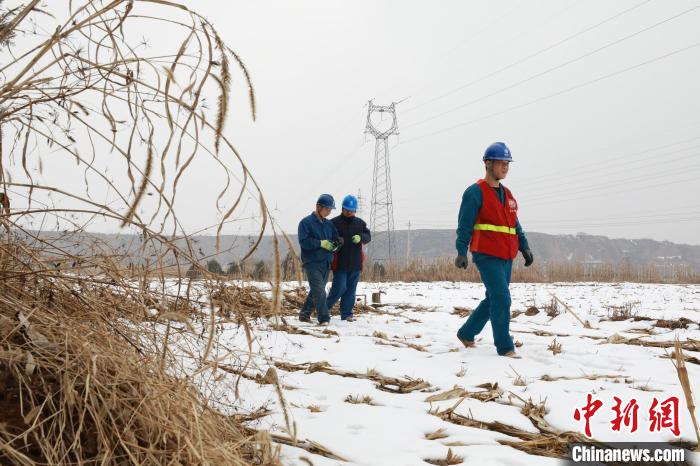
382,247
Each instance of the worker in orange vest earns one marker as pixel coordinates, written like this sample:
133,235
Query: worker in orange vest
488,225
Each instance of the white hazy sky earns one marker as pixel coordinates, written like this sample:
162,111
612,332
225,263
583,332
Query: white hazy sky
617,156
599,102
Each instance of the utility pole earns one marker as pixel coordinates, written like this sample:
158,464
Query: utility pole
408,243
382,247
360,203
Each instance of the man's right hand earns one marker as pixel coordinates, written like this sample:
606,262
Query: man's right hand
461,262
327,245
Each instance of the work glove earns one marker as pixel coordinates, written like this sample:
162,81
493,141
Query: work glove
328,245
338,244
527,254
461,262
356,239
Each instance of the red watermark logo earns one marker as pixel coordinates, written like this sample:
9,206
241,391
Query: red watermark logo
663,415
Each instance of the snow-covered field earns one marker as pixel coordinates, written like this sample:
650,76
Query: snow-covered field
413,339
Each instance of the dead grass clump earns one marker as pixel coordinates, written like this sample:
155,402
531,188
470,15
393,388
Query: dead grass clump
438,434
388,384
625,311
519,382
79,386
552,309
616,339
554,347
645,387
674,324
548,442
491,392
359,399
248,301
462,311
383,339
415,307
450,459
519,379
532,409
689,359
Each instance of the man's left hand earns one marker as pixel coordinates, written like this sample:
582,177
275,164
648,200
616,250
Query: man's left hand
527,254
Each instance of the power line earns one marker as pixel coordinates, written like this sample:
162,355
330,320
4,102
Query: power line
344,160
586,187
655,215
602,188
594,187
489,27
582,169
617,178
614,224
556,94
607,193
528,57
557,67
619,160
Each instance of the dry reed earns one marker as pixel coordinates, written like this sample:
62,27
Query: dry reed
80,384
443,269
684,378
82,380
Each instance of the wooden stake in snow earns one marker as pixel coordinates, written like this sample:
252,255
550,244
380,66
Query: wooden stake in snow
685,383
586,324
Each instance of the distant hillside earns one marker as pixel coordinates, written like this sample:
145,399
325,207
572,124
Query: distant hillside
429,244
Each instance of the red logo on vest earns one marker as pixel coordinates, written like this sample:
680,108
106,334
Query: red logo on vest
513,206
494,230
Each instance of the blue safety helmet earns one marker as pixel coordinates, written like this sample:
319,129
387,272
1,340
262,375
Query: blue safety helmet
326,200
497,151
350,203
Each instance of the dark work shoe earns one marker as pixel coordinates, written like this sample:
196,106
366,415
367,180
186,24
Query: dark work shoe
349,319
304,318
468,343
323,324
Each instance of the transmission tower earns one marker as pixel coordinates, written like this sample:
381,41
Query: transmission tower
381,249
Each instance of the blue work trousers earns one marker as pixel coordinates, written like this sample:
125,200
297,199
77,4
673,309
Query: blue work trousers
317,275
344,288
495,274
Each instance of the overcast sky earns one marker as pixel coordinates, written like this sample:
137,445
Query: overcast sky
617,156
597,100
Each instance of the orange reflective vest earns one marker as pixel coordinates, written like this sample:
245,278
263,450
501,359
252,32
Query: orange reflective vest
494,231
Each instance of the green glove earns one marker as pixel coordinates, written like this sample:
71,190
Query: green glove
327,245
356,239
